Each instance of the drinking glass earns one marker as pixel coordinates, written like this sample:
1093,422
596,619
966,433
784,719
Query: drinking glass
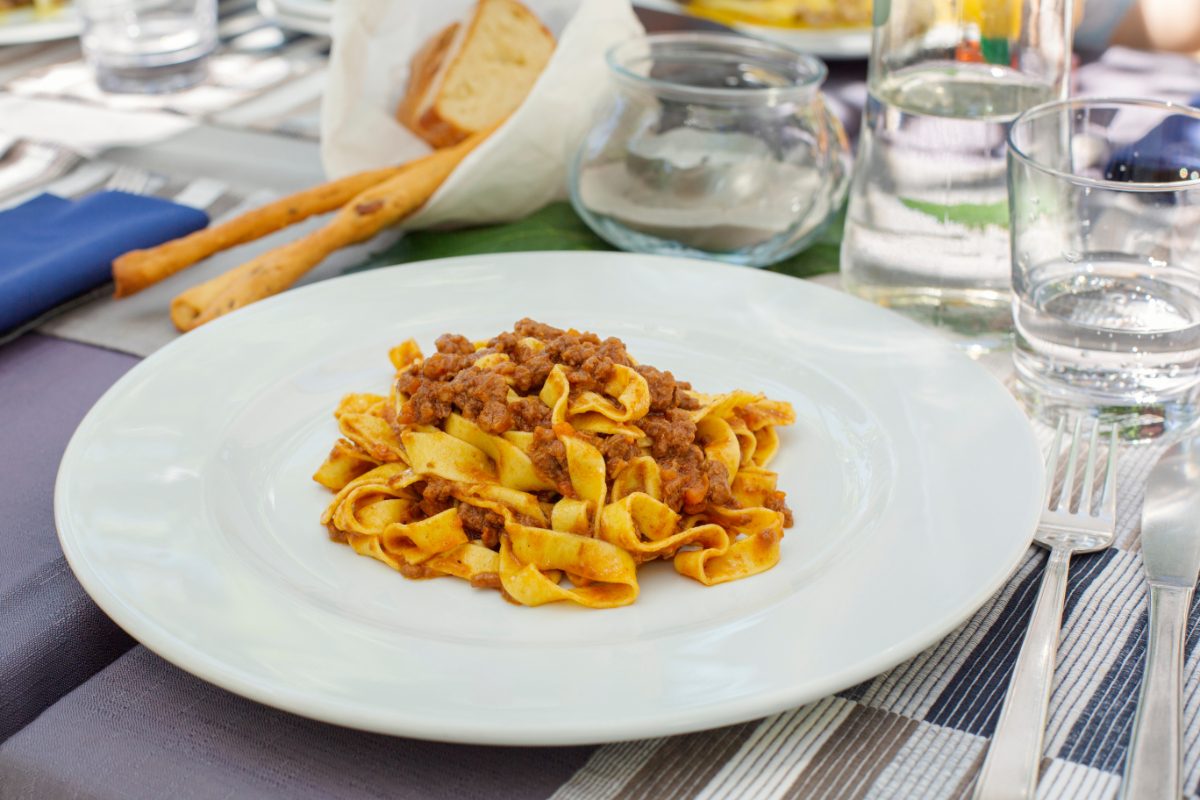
927,225
714,146
1105,206
148,46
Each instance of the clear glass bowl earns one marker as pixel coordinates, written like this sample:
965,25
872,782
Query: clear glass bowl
711,145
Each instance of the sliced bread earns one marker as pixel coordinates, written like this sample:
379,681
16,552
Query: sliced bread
466,79
424,72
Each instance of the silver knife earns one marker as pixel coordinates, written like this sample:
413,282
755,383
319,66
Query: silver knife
1171,556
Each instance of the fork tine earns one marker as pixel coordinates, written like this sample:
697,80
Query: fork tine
1052,458
125,179
116,181
1068,487
1089,472
1108,500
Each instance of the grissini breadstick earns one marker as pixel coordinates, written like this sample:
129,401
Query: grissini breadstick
362,218
138,269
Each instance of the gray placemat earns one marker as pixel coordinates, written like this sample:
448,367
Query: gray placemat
144,729
52,637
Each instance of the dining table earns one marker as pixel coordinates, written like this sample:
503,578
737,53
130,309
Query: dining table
88,712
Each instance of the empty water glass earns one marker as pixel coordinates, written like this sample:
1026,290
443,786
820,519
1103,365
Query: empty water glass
148,46
712,146
1105,212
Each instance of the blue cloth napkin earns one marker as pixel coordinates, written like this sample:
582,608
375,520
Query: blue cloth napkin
52,249
1170,152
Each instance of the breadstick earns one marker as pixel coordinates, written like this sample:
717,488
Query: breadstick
138,269
366,215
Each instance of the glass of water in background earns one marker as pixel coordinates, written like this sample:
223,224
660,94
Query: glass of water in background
148,46
1105,205
927,226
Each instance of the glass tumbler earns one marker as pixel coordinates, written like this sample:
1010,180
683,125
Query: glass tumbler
1105,206
148,46
714,146
927,224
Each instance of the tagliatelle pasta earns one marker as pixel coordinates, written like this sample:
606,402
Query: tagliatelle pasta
549,464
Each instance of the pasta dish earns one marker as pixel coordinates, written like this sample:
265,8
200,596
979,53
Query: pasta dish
549,464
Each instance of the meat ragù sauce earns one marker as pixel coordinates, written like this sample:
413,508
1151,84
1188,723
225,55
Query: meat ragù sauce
502,396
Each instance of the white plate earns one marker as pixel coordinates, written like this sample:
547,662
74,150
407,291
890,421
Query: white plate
318,9
305,23
23,26
835,43
185,506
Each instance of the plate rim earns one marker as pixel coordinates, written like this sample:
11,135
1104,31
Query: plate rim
65,25
833,44
311,25
211,669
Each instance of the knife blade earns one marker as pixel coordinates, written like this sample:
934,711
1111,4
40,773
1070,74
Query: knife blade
1171,517
1171,556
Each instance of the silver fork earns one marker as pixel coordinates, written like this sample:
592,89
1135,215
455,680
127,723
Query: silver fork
130,180
1011,768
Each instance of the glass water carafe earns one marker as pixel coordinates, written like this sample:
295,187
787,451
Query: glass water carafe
927,226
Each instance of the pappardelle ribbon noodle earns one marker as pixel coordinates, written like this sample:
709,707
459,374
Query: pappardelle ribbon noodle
549,464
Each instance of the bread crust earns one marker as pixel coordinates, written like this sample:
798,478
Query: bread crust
423,74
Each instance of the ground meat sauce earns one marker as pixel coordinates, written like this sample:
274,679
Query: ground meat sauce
487,580
685,481
482,396
671,433
776,503
448,382
618,451
529,413
666,392
549,458
418,572
481,524
435,495
454,344
718,484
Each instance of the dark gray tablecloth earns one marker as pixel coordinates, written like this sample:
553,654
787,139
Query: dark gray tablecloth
52,637
142,728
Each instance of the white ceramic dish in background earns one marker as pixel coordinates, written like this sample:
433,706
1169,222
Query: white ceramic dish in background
23,26
834,44
185,506
284,17
318,9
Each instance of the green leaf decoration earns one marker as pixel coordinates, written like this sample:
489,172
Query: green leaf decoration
558,227
555,227
972,215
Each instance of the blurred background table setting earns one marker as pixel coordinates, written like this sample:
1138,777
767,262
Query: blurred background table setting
1005,174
